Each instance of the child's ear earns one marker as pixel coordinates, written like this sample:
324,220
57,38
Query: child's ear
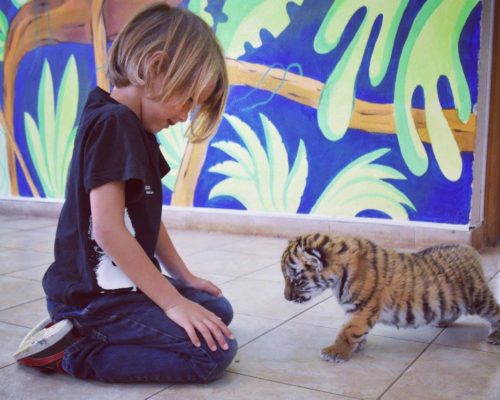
313,259
158,61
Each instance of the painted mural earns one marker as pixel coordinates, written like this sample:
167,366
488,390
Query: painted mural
344,108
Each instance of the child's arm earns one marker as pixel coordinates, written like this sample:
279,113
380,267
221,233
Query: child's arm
168,256
107,204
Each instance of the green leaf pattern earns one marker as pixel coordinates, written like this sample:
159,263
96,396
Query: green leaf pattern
337,97
50,143
247,18
360,186
4,168
4,28
259,178
434,36
19,3
198,7
173,141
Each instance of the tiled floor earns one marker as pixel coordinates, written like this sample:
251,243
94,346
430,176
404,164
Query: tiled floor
279,341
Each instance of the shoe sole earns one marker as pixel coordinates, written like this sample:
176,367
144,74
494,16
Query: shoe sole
42,337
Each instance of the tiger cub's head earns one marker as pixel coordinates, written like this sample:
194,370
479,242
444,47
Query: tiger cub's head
311,263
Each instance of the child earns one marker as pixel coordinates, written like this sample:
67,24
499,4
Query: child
117,317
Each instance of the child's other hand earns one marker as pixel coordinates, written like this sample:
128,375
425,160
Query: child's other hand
192,317
205,285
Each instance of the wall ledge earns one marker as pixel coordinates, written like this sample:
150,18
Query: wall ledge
386,233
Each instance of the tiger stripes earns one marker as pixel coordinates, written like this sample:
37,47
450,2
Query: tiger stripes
373,284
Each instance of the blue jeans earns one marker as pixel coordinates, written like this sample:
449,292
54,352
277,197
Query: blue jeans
127,338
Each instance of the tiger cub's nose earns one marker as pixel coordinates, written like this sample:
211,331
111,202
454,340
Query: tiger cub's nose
290,294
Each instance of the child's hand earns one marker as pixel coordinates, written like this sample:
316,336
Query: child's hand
203,284
192,317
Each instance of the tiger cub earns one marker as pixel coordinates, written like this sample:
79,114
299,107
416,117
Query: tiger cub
435,285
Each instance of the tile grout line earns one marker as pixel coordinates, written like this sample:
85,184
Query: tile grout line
169,385
7,274
283,322
410,365
494,276
292,385
21,304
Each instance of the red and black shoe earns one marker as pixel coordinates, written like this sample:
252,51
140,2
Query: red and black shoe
43,347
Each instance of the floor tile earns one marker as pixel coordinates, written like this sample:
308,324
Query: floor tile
29,223
11,337
271,273
233,386
279,341
17,291
444,373
31,240
246,328
33,274
468,333
215,278
262,245
27,315
290,354
330,314
19,382
189,242
490,257
4,230
4,218
262,299
494,285
12,260
226,262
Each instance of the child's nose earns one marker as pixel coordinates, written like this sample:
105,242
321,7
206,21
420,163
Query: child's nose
183,116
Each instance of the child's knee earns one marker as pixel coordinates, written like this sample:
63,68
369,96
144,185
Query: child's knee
224,310
221,359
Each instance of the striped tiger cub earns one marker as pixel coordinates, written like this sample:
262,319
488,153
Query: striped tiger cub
373,284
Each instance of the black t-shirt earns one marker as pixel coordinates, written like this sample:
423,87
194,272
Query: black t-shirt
111,145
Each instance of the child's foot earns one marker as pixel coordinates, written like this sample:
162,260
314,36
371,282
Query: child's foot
44,345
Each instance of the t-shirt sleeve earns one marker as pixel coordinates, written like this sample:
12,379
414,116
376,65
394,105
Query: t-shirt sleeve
114,151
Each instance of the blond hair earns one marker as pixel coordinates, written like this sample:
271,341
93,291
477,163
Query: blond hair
178,49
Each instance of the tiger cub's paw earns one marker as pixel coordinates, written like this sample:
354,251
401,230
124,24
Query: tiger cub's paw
332,354
494,337
361,345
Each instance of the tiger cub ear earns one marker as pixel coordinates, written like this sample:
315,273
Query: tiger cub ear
313,259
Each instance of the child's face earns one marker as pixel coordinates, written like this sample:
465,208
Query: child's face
156,115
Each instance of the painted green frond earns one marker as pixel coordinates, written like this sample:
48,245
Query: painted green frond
4,28
19,3
373,202
260,178
244,191
337,97
361,180
278,158
65,117
247,18
296,180
232,169
259,158
198,7
4,168
239,153
67,152
362,165
50,143
366,186
37,152
173,143
434,35
46,119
